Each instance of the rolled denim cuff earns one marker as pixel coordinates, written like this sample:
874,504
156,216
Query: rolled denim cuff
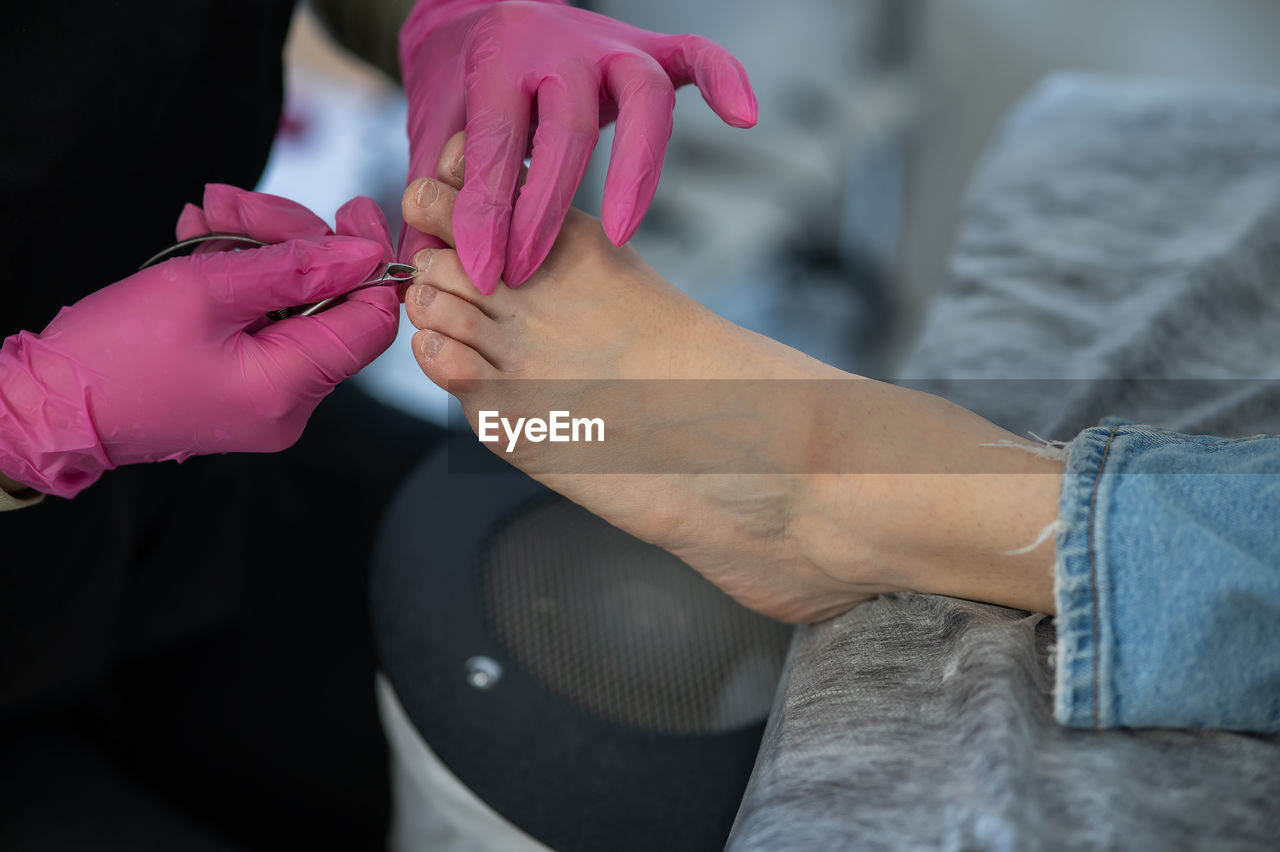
1167,581
1079,663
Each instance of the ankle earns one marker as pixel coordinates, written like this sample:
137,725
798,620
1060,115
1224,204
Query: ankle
925,506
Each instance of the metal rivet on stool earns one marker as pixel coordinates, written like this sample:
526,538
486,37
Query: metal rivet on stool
483,672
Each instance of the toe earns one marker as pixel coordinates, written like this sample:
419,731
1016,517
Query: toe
451,364
427,205
431,309
442,269
452,166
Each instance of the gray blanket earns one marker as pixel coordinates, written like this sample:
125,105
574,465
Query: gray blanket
1119,254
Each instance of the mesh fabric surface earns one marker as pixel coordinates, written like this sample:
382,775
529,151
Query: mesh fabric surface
623,629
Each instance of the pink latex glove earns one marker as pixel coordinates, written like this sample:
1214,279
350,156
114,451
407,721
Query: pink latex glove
272,219
479,65
164,364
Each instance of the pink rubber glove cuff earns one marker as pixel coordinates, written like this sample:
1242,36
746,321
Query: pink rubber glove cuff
60,451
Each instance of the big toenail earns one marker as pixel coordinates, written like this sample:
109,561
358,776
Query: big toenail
423,295
427,193
429,344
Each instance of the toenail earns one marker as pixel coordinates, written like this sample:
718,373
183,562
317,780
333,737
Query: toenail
423,295
429,344
427,193
457,167
422,260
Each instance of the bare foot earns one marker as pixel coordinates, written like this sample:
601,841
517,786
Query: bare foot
778,477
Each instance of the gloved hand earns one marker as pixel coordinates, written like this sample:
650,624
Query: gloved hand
272,219
478,65
164,364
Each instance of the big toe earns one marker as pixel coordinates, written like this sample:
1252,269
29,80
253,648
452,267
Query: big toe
427,206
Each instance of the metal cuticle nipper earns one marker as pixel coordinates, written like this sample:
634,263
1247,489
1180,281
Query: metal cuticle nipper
387,273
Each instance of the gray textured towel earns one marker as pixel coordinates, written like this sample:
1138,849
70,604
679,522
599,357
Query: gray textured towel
1119,254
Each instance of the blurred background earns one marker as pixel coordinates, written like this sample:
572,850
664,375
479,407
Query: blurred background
826,226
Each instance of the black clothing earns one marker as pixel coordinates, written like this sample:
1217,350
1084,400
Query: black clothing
117,114
199,629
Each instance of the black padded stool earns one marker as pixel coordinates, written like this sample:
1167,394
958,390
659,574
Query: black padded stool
591,689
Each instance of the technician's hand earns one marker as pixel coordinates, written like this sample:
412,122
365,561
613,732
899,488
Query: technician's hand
272,219
174,361
479,65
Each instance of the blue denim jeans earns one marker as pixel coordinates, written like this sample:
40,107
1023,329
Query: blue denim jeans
1168,581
